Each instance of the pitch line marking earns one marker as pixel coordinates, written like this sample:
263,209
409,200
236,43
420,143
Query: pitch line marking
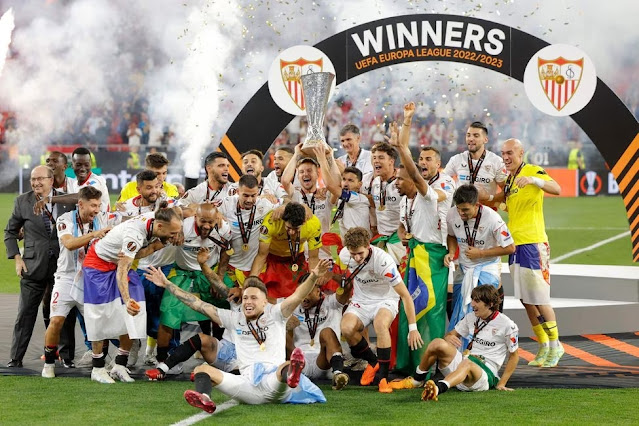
203,415
590,247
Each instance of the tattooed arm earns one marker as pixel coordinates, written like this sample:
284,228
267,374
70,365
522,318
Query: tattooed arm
217,285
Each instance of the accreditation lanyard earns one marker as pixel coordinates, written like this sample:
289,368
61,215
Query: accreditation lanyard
310,205
475,171
48,212
470,239
208,192
409,213
81,229
294,248
245,229
258,333
354,163
312,323
479,328
346,281
511,180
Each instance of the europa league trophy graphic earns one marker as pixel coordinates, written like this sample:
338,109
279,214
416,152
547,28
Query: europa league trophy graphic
316,87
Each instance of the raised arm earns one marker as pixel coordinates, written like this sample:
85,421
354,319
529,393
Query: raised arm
330,171
288,175
293,301
404,150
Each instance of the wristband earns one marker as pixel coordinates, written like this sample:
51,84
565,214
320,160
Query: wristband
491,197
539,182
412,327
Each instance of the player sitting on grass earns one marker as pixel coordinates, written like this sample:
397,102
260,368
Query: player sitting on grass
260,343
493,335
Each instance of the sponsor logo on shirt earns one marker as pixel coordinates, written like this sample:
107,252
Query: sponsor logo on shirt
484,342
505,233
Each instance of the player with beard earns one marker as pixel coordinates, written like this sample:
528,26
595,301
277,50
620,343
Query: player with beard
76,230
113,294
252,164
384,200
207,229
148,188
245,213
260,343
214,189
355,156
478,166
160,165
280,160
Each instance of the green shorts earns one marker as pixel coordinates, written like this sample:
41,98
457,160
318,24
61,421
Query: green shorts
492,379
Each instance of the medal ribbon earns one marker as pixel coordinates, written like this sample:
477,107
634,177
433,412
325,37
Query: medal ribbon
312,204
208,191
409,213
256,331
222,242
475,171
294,250
245,229
382,190
470,240
433,179
351,277
312,324
511,180
479,328
81,229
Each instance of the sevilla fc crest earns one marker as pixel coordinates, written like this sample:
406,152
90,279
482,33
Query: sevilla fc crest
292,72
560,79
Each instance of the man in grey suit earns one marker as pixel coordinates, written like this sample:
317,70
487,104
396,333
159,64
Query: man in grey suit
38,263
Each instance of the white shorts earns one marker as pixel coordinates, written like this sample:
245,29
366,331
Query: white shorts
311,370
61,300
529,268
366,312
226,359
241,388
478,386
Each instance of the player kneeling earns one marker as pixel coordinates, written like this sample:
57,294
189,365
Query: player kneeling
493,335
260,344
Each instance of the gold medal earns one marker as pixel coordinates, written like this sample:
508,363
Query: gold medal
230,252
262,347
381,208
466,352
312,342
408,236
245,247
502,207
294,267
339,291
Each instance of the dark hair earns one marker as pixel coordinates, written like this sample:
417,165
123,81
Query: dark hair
354,170
488,294
466,194
214,156
386,148
479,125
435,150
295,214
357,237
145,176
255,282
248,181
60,154
286,149
80,151
156,160
89,193
256,152
167,215
349,128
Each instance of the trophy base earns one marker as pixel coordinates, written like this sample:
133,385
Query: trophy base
309,146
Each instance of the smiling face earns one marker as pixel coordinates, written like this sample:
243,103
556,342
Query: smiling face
350,182
480,309
430,163
149,190
41,180
476,139
252,165
160,172
350,143
89,209
383,164
280,161
167,231
218,171
512,153
207,217
253,302
307,174
57,163
312,298
81,165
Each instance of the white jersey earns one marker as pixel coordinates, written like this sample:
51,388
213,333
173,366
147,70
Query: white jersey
491,172
421,212
388,218
330,315
491,232
322,208
268,186
364,161
356,211
446,184
240,259
127,238
203,193
132,206
70,261
274,181
376,280
186,254
228,332
271,324
495,340
98,182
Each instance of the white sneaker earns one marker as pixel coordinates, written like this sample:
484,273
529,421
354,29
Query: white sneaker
121,373
110,364
150,360
134,353
100,375
86,360
48,371
177,369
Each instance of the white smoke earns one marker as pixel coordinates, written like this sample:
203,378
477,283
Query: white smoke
6,27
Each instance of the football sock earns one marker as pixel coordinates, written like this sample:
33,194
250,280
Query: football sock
337,362
203,383
420,375
500,291
550,327
184,351
105,348
443,386
151,343
383,357
363,351
122,357
49,354
98,360
206,327
449,305
542,337
163,353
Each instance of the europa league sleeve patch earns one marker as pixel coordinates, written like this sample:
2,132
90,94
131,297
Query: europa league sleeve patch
264,230
62,226
131,247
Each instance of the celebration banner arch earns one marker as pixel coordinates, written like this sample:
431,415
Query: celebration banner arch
430,37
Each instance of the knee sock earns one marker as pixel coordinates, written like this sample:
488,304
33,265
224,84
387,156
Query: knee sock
542,337
50,354
363,351
206,327
122,357
163,353
550,328
449,305
203,383
151,343
184,351
105,348
98,360
337,362
500,291
383,357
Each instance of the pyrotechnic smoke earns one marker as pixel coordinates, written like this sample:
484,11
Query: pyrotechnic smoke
6,27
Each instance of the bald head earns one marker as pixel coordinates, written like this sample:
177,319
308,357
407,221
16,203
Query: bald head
512,152
206,218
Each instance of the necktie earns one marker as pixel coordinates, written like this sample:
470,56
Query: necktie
47,221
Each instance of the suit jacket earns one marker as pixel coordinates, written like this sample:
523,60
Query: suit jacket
37,241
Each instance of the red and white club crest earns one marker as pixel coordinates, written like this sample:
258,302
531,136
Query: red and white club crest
292,72
560,78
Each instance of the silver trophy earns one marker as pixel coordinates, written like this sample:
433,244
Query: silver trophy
316,87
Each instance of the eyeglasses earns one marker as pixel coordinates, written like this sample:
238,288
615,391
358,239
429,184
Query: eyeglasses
40,179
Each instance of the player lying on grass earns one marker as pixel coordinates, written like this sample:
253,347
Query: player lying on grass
493,335
260,344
